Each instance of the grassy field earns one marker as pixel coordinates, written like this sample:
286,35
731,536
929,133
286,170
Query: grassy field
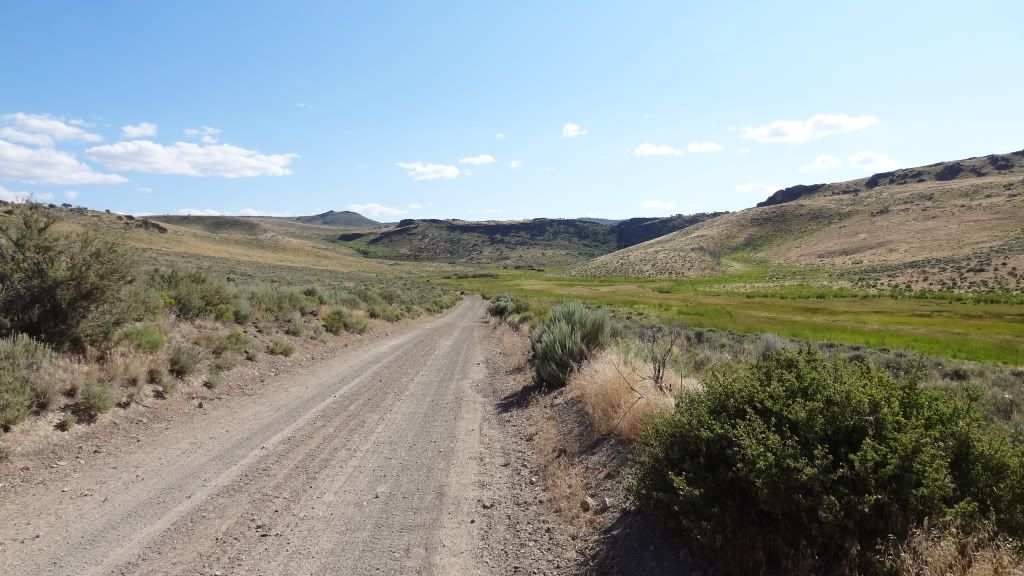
778,301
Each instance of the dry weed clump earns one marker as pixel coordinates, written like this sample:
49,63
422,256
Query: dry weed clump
617,395
565,482
932,552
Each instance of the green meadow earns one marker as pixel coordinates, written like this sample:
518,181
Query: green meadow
798,304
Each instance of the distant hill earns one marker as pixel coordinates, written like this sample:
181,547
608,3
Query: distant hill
951,225
343,219
523,243
637,230
216,224
605,221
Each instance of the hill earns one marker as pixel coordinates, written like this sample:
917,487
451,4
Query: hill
946,226
343,219
520,243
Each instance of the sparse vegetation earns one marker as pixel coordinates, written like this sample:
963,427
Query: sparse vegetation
144,337
281,348
94,399
184,360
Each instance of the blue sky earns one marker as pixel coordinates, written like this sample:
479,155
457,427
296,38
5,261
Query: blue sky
491,110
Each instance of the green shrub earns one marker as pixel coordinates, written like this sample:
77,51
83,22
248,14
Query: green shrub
184,360
557,353
143,337
67,422
167,387
356,325
192,294
281,348
802,465
213,379
224,313
571,332
335,322
506,305
594,326
94,399
234,341
295,325
244,312
384,311
225,361
65,290
20,356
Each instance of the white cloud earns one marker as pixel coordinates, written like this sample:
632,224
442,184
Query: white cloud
48,166
303,105
743,150
221,160
415,206
49,126
515,164
822,163
658,205
374,209
427,171
8,133
138,131
656,150
71,194
571,130
703,147
205,134
758,187
873,161
479,160
10,196
43,197
815,127
212,212
500,136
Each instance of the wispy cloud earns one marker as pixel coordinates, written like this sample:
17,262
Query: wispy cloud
427,171
515,164
648,149
873,161
822,163
703,147
43,129
375,209
478,160
186,158
48,166
572,130
814,128
138,130
205,134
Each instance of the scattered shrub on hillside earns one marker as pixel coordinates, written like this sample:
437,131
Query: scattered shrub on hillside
64,290
296,326
234,341
21,357
94,399
335,322
224,313
184,360
767,345
192,294
225,361
252,354
167,387
801,464
570,333
356,324
384,312
67,422
281,348
145,337
213,379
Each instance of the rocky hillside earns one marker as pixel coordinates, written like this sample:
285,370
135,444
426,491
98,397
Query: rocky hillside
521,243
951,225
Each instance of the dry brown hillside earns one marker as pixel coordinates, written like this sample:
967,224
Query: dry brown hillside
952,225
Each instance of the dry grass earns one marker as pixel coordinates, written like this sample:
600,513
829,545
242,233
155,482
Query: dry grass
617,396
565,482
934,553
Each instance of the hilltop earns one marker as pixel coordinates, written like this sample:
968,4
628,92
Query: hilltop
343,219
951,225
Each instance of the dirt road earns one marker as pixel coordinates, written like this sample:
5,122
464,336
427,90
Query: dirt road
363,465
